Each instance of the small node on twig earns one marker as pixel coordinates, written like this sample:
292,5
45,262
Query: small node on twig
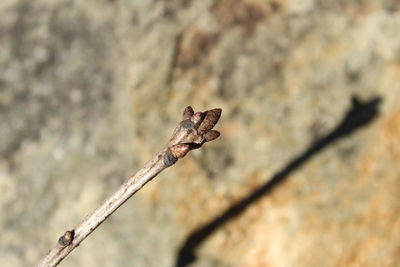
169,159
66,239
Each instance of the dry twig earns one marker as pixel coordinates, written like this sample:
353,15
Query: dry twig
191,133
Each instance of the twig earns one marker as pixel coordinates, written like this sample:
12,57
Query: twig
191,133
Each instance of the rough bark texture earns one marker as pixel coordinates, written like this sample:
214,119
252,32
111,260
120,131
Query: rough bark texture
88,93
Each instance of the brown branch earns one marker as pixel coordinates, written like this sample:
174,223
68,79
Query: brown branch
191,133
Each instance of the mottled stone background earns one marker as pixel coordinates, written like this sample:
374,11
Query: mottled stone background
90,90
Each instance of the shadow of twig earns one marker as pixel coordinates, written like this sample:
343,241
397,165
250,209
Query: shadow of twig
358,116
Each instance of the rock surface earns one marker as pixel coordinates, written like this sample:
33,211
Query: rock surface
90,90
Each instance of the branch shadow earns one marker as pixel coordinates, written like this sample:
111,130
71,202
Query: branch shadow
359,115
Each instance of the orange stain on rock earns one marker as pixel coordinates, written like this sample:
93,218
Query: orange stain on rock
368,166
391,133
231,129
187,168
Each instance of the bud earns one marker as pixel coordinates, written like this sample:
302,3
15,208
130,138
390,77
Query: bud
187,113
211,135
211,118
67,238
196,119
180,150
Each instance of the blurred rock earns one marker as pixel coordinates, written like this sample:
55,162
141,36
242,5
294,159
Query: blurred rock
90,90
